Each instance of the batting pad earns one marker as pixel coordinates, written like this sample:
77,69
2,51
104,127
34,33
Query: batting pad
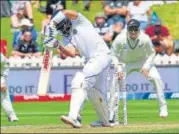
100,105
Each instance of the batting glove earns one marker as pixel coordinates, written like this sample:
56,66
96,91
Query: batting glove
49,31
51,42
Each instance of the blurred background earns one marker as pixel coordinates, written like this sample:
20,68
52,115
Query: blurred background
22,24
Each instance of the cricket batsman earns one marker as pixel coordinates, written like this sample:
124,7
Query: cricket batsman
79,31
134,51
5,99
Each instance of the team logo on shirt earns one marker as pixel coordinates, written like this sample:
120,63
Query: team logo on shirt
74,31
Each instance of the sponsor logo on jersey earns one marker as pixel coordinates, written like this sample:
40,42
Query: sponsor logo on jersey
46,60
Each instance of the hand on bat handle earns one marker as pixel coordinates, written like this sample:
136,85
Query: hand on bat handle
51,42
49,39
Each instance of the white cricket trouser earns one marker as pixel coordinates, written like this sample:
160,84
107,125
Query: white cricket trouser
154,78
6,103
93,78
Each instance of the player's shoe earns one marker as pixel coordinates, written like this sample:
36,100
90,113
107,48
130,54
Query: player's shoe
72,122
163,111
13,118
79,119
96,124
100,124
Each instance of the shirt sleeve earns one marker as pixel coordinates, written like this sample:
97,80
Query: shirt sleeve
14,7
4,68
125,3
15,38
17,46
147,31
165,31
147,7
117,45
115,52
151,54
65,41
81,20
129,6
72,43
34,34
37,47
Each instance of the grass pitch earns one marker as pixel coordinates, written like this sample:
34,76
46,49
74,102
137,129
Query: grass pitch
44,117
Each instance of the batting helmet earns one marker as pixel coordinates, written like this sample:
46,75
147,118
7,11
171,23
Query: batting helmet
62,23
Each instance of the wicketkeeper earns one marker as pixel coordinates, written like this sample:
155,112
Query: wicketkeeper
134,49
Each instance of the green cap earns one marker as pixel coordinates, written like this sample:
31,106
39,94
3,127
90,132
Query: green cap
100,14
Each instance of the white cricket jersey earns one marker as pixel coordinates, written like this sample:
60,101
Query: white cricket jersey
4,68
85,38
128,52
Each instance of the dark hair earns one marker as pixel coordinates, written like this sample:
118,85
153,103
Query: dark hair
157,29
29,29
156,43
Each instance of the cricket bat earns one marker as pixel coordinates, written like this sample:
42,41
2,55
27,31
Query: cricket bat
43,84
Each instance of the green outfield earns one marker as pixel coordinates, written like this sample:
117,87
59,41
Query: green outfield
44,117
